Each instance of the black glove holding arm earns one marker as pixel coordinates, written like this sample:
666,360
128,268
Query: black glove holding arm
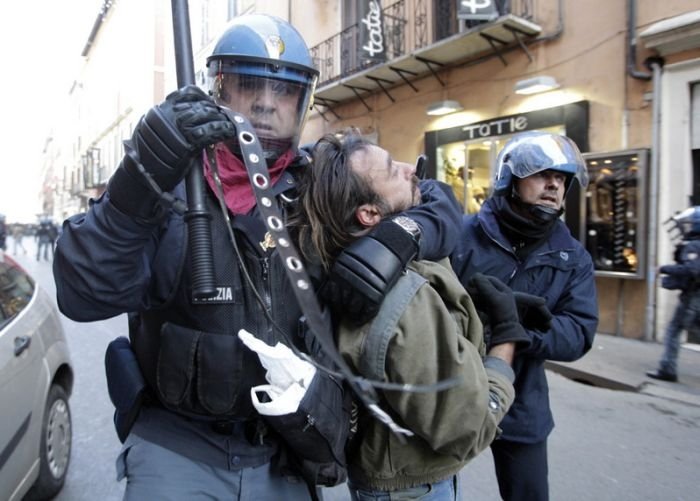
368,268
162,147
496,301
532,311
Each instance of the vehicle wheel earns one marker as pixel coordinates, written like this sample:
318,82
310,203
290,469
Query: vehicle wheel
56,435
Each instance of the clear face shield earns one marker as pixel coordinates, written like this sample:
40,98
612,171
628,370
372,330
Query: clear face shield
685,224
276,107
533,153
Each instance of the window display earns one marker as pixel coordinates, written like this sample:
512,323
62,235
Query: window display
615,213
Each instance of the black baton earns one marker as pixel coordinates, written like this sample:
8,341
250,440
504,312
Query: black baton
197,216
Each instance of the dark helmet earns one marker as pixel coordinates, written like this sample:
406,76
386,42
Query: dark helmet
531,152
261,54
688,223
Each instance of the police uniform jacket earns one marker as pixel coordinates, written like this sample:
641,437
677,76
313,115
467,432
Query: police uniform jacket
684,274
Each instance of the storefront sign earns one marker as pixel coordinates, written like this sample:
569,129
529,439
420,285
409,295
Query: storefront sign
372,47
573,116
484,10
498,127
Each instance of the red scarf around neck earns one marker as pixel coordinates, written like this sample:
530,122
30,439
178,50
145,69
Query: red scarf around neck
238,193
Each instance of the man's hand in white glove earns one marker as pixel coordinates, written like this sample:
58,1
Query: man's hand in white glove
288,375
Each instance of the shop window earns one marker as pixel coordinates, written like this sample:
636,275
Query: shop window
614,212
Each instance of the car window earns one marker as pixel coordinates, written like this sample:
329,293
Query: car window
16,289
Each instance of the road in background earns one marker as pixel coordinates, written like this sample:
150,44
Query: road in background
608,445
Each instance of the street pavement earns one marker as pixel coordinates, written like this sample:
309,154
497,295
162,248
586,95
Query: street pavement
619,435
620,363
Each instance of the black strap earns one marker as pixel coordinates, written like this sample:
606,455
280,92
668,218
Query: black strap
302,286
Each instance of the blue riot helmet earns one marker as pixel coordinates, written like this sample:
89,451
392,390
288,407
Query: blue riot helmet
531,152
688,223
262,68
528,153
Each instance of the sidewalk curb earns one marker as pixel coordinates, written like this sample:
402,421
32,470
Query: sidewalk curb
619,363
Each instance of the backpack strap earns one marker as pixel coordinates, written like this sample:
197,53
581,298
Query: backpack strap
383,327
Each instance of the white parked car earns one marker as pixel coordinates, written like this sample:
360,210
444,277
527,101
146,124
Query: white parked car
36,380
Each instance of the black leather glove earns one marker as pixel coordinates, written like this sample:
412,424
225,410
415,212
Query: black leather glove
164,142
496,304
532,311
368,268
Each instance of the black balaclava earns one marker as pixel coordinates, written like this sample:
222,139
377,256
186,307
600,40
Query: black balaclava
522,232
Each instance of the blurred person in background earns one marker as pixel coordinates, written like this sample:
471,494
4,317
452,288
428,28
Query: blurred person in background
683,275
3,232
45,237
17,237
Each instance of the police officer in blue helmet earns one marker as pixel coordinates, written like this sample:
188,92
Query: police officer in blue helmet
199,411
520,242
184,383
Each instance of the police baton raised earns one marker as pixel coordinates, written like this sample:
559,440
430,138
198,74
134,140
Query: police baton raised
197,216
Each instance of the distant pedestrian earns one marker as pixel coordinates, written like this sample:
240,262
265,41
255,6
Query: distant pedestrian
17,237
46,237
3,232
684,275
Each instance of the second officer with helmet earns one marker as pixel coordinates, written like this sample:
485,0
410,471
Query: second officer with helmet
519,240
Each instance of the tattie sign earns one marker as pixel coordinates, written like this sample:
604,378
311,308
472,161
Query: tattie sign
372,47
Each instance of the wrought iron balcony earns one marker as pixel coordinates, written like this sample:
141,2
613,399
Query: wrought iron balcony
428,32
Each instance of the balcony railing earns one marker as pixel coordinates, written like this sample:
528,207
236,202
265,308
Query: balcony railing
408,25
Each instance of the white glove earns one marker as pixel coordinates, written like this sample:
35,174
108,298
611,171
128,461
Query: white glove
288,375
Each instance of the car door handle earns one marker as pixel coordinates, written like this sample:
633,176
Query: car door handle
21,344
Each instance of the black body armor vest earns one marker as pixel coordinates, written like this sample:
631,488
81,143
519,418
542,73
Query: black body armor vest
189,351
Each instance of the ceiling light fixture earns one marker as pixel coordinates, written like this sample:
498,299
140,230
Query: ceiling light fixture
536,85
444,107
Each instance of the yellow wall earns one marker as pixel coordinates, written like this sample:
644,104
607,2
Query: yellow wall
588,58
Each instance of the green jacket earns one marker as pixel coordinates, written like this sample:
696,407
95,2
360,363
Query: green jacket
433,335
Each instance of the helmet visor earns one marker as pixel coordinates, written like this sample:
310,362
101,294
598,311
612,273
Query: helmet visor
274,107
688,221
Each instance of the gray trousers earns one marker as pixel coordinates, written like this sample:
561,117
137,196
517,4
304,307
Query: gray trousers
156,473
